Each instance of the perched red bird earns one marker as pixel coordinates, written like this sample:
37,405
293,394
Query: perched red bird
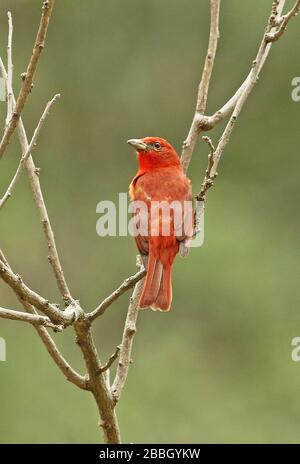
160,178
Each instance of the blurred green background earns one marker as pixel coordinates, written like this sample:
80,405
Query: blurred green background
218,367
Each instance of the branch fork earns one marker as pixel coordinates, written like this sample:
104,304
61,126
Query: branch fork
281,21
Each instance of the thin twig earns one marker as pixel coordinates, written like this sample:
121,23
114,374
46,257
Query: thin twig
40,204
190,142
10,106
283,22
34,319
202,122
209,122
126,285
208,181
16,283
210,56
3,71
127,341
67,370
70,374
28,76
30,148
234,106
3,259
111,360
53,256
253,77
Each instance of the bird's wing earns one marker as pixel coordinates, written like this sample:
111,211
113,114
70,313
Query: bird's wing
140,214
184,230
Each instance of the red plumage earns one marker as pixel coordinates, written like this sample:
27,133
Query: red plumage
160,178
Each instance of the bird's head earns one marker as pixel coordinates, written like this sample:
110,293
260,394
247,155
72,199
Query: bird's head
154,152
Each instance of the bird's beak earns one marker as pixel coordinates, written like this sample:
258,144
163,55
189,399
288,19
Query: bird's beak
138,144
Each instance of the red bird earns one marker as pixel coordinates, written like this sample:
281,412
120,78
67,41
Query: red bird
160,178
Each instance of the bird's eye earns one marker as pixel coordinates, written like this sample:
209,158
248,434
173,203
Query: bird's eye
157,145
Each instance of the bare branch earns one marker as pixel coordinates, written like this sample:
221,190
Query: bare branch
25,293
190,142
67,370
126,285
210,56
28,77
235,104
127,341
202,122
26,155
53,256
34,319
40,204
283,22
33,173
111,360
247,88
209,122
3,259
209,178
10,106
97,381
63,365
3,71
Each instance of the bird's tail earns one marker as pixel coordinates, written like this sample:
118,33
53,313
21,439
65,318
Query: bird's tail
157,291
